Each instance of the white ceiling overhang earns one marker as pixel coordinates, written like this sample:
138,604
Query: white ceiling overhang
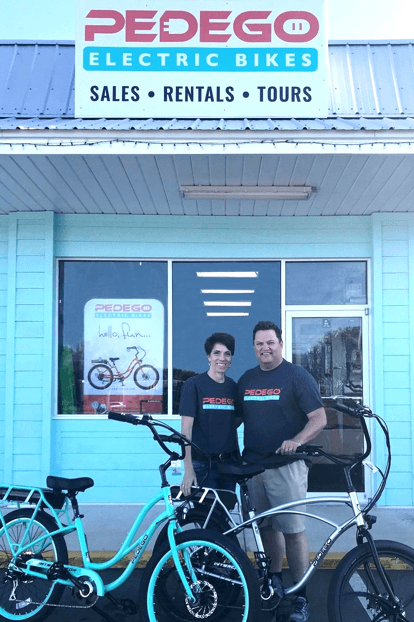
143,179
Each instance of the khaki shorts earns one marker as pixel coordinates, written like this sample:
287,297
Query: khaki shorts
276,486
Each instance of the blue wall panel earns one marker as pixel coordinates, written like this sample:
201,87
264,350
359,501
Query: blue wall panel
3,331
128,459
124,461
28,413
397,345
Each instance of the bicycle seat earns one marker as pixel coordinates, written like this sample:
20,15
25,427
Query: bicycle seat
76,484
240,471
114,358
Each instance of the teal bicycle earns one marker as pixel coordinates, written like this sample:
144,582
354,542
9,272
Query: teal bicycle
197,574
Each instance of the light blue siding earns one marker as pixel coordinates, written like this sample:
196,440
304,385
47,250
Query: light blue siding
397,347
3,330
85,447
30,267
124,460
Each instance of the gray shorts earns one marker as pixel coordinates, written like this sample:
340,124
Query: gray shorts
276,486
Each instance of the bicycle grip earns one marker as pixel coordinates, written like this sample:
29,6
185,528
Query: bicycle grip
124,418
171,438
347,409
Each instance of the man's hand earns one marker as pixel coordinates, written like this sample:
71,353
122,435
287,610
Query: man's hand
189,480
287,448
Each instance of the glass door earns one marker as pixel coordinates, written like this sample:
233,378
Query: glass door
332,347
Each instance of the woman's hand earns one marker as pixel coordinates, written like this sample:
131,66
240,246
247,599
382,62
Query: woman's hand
189,480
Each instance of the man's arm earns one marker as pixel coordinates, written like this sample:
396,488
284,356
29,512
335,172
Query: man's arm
316,423
189,478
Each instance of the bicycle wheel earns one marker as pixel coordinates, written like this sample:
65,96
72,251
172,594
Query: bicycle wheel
226,584
195,519
146,377
357,593
100,376
22,596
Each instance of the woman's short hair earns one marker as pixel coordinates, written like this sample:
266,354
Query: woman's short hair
224,338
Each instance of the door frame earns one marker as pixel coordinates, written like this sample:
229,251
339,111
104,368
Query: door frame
326,312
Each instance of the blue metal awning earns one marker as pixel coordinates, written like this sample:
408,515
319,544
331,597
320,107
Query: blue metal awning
371,88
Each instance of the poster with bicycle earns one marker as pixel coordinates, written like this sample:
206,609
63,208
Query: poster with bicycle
124,354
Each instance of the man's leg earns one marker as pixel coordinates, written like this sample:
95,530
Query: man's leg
297,553
274,545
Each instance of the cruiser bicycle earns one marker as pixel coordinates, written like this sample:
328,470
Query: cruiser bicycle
104,373
194,574
373,582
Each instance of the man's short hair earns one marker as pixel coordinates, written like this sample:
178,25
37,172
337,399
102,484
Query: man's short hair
224,338
263,325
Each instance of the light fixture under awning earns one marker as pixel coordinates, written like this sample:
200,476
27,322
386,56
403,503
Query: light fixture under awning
270,193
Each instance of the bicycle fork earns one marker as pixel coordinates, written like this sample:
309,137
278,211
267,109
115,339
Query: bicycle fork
363,527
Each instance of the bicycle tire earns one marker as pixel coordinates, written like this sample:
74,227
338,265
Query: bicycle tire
224,574
30,591
98,371
195,519
146,377
356,592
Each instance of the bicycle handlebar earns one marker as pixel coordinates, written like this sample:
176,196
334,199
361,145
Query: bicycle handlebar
124,418
161,439
354,412
348,462
358,412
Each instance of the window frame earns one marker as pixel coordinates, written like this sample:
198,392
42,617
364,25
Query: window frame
284,308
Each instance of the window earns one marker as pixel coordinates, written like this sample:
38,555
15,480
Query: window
114,318
112,336
326,282
214,297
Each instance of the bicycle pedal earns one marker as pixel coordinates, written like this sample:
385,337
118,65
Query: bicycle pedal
128,606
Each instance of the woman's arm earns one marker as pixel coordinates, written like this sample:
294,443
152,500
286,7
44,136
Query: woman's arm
189,478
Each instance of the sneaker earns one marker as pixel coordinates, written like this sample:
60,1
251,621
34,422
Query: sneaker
300,611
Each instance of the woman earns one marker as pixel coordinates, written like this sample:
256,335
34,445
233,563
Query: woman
208,408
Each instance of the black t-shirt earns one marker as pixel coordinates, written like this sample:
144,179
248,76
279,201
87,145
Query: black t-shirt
275,405
213,406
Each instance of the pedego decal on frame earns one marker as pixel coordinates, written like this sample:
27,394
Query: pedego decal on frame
124,353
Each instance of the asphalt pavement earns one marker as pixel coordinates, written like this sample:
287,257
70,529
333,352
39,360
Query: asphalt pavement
317,590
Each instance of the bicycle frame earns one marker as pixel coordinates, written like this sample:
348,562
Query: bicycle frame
123,375
138,545
288,508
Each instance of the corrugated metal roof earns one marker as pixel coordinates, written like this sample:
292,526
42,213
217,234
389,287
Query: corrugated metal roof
371,87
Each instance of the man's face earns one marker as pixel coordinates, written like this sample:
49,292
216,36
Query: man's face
268,349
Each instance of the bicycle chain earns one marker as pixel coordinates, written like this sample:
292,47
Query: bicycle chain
33,602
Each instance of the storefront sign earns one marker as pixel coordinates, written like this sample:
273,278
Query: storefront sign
123,354
230,59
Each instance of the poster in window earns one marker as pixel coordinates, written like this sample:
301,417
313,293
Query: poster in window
124,353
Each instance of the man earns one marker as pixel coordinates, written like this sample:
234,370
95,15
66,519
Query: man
282,409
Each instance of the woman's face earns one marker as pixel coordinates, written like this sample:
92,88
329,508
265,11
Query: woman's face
220,358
